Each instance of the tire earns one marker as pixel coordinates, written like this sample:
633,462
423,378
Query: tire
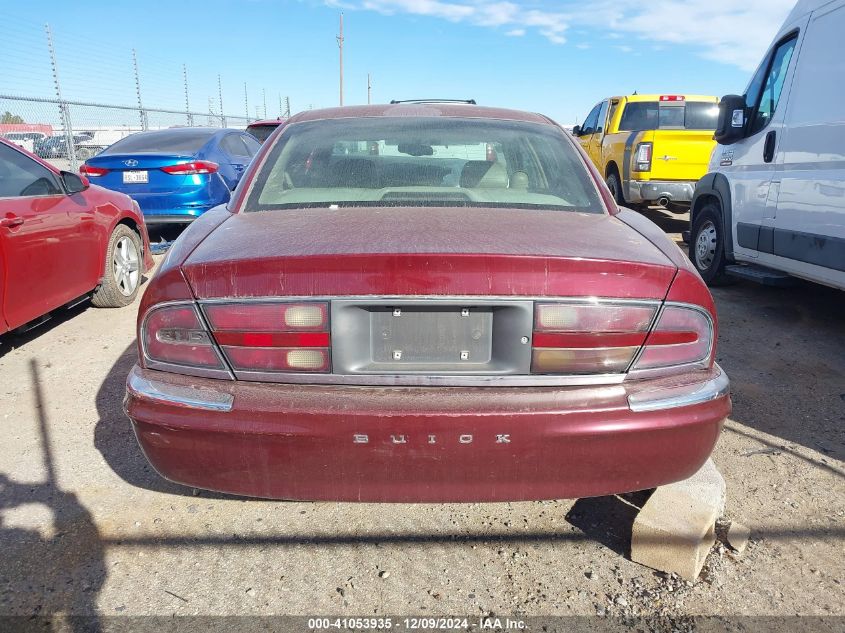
83,153
615,186
122,276
707,245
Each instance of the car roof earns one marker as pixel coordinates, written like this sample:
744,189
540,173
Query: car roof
266,122
420,110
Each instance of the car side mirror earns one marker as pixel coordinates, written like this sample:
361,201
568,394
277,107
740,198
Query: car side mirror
74,183
576,130
730,126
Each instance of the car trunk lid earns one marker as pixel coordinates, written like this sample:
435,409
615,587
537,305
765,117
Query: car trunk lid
440,251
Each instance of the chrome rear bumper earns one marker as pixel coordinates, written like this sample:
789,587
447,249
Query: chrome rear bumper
655,395
652,190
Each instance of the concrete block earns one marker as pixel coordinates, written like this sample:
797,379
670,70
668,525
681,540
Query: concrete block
738,536
675,529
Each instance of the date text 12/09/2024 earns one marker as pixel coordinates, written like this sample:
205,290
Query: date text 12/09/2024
418,624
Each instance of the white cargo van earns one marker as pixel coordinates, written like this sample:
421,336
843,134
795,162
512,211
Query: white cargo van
772,206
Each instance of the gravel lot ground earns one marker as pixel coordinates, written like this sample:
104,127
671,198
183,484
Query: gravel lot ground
87,527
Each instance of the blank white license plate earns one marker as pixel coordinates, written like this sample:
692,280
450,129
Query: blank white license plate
136,176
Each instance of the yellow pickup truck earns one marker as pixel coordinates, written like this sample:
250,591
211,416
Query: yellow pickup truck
652,149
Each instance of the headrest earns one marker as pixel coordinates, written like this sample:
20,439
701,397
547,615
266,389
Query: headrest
483,174
519,180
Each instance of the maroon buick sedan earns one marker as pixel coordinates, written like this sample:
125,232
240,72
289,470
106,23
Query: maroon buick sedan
425,303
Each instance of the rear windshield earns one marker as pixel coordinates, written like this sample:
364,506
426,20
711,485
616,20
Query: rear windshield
180,141
435,161
651,115
261,132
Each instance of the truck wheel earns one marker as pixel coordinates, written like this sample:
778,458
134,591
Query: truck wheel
707,245
615,187
123,270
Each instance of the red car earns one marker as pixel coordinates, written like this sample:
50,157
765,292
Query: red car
425,303
261,130
62,240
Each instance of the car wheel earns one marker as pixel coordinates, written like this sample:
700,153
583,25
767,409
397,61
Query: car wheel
123,270
83,153
615,187
707,245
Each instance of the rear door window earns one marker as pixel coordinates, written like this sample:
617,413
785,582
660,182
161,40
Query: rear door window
20,176
252,145
233,145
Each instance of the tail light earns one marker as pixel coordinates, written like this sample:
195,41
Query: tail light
608,338
175,335
596,338
490,154
92,171
682,336
193,167
642,157
272,337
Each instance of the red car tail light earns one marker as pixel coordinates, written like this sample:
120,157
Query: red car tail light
175,335
273,337
682,336
93,172
193,167
596,338
277,359
268,317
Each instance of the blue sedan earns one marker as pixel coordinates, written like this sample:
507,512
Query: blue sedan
176,174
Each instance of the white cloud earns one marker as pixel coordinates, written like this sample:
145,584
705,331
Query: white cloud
726,31
516,18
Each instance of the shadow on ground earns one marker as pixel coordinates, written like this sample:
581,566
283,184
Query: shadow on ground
114,438
60,568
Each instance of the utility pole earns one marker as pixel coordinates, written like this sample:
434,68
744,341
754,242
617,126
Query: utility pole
220,99
287,107
281,109
187,103
64,110
246,103
369,90
264,94
340,46
141,111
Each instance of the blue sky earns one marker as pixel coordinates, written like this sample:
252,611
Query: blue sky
558,58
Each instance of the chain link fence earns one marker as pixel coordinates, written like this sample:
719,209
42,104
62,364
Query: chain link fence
69,132
56,104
